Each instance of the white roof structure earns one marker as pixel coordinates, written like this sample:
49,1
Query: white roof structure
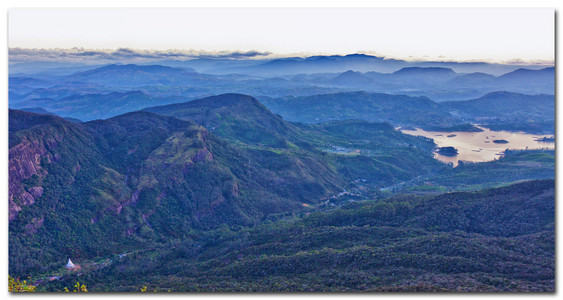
70,265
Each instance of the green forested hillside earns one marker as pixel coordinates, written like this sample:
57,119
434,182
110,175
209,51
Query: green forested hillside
492,240
108,186
235,117
220,194
374,107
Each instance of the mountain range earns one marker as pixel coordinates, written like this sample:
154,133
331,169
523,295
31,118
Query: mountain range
406,111
142,176
289,174
437,83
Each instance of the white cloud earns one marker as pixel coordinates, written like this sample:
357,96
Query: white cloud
123,54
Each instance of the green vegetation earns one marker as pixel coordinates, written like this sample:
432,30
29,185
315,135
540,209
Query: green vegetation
374,107
447,151
496,110
506,107
500,141
537,127
17,286
78,288
220,194
140,179
515,165
492,240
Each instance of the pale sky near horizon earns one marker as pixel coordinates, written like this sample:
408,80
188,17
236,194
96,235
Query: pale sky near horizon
440,34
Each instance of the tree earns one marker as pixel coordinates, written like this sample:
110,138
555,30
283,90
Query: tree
16,286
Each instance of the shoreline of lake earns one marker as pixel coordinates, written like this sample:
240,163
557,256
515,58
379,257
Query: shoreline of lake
480,146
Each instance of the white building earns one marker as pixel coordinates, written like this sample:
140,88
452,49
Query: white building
70,265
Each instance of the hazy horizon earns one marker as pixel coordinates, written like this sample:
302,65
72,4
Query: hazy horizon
461,35
129,55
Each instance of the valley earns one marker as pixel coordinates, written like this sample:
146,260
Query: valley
299,174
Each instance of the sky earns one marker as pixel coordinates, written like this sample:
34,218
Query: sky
461,34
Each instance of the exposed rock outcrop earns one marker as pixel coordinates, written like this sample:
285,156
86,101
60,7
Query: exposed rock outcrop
24,162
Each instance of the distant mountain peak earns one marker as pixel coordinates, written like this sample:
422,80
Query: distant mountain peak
526,72
133,67
232,116
361,55
228,99
352,78
425,70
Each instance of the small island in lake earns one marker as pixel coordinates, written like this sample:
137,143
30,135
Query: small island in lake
500,141
447,151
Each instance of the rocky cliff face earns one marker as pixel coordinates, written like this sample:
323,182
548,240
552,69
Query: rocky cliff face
24,162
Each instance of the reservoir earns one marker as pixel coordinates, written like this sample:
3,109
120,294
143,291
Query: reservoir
486,145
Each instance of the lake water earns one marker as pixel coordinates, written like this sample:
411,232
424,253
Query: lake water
479,146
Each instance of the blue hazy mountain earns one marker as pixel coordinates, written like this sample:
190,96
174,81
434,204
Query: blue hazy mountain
97,106
427,75
543,78
321,64
443,84
352,78
374,107
477,79
212,65
472,67
525,112
136,75
507,105
45,69
508,111
289,77
114,89
358,62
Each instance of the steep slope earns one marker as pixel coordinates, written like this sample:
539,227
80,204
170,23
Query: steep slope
138,178
234,116
142,177
382,156
180,159
59,183
40,145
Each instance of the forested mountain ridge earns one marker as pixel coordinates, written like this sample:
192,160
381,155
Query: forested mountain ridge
374,107
487,241
233,116
515,110
139,178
